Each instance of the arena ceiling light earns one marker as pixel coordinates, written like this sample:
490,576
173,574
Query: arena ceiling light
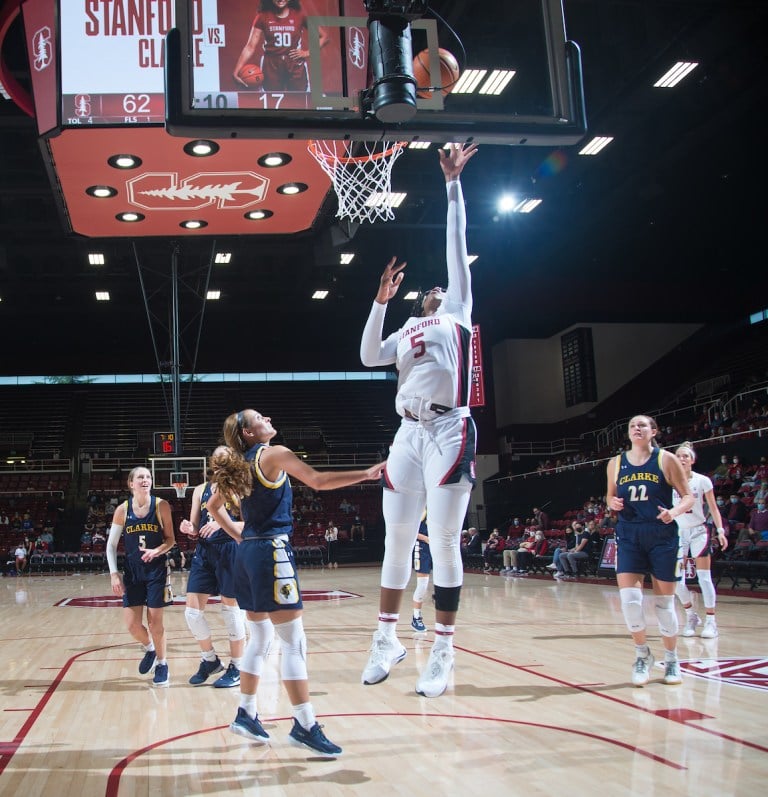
673,76
320,294
222,257
597,144
96,258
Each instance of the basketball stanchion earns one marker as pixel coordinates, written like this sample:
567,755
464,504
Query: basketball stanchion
362,183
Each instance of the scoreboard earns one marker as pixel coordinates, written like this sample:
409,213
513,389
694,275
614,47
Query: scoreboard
164,443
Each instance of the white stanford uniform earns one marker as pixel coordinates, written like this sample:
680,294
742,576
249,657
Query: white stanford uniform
694,535
432,458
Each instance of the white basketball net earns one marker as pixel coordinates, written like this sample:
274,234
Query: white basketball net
363,183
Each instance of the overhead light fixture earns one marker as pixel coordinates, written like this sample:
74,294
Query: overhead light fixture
193,224
468,81
130,216
101,191
292,188
222,257
526,205
273,159
597,144
672,77
411,296
102,296
497,81
380,199
258,215
201,148
124,161
213,295
96,258
471,259
346,258
319,294
419,145
512,204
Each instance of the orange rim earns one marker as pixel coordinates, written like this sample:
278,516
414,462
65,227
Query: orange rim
314,147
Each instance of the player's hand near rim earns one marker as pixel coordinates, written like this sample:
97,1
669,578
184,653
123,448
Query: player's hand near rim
454,158
390,280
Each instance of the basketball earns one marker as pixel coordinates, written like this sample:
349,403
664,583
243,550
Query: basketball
449,72
252,75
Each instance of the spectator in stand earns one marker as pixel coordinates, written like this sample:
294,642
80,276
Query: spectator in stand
98,538
761,494
608,524
761,472
20,555
735,473
572,531
758,522
737,512
515,529
345,506
568,561
474,545
357,529
519,561
720,473
86,540
540,519
494,546
332,543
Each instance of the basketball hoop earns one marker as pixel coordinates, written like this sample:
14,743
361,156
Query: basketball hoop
180,482
362,183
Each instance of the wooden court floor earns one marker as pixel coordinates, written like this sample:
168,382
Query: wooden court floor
540,701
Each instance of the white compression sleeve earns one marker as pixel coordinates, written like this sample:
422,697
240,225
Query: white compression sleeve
114,538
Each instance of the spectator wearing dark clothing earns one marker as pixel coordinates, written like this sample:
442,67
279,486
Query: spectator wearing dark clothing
737,512
540,519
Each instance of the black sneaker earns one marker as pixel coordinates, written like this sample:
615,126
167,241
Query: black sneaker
205,670
145,665
250,728
314,739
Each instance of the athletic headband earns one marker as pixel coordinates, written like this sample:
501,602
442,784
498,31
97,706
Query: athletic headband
689,450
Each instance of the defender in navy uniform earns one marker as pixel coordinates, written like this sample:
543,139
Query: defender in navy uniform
255,474
640,484
422,564
212,573
147,524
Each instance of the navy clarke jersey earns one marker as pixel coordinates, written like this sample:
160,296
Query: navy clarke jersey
220,535
267,510
142,532
643,488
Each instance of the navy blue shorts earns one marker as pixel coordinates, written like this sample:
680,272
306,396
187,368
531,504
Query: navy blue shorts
147,584
265,576
422,558
213,569
648,548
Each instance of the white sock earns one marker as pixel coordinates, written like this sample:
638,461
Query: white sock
209,655
304,715
248,704
150,647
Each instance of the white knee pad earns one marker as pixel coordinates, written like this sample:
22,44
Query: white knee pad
234,621
422,583
632,608
707,588
666,614
197,624
257,649
293,644
682,592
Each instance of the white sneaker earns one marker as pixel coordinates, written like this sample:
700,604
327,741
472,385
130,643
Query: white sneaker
672,672
641,672
384,653
433,681
692,622
551,567
558,575
710,628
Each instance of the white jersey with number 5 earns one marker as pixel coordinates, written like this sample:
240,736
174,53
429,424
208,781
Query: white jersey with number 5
699,485
433,353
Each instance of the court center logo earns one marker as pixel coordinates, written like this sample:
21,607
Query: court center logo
748,672
226,190
41,49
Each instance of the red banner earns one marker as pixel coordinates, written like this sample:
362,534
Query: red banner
477,386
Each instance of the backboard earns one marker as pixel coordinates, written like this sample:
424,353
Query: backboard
541,105
168,472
